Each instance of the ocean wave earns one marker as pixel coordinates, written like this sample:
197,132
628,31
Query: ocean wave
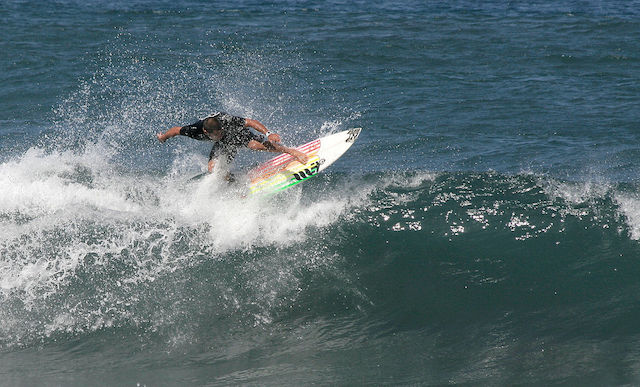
85,247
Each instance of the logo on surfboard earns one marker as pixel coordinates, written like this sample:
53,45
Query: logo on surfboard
353,134
307,172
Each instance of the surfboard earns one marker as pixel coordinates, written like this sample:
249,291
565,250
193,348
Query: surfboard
283,171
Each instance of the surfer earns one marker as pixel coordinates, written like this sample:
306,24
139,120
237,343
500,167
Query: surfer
228,134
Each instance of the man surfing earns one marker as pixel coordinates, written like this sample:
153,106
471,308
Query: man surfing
230,133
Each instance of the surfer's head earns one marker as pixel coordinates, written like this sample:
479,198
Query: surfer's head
212,128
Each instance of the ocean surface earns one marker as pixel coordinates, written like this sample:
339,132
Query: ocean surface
483,230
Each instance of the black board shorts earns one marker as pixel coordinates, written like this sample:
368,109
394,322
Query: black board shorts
230,147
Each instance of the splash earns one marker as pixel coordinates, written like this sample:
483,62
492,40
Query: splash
79,235
100,228
629,208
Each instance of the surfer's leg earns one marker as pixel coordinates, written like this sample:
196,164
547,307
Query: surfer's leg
275,147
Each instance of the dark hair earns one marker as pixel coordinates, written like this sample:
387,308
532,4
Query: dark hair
210,124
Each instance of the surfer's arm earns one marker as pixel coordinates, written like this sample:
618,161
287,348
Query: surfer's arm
162,137
212,162
257,125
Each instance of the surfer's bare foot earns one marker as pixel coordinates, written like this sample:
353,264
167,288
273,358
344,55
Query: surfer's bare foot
161,137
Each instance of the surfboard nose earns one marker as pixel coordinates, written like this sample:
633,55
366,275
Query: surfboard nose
353,134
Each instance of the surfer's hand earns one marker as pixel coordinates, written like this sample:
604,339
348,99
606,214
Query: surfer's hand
301,157
161,137
273,137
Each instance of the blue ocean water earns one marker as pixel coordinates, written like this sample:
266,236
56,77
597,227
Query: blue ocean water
484,228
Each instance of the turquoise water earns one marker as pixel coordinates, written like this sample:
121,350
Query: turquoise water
483,229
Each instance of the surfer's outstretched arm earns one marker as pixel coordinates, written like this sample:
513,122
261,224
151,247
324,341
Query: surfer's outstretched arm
162,137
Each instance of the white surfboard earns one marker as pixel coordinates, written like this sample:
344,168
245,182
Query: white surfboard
283,171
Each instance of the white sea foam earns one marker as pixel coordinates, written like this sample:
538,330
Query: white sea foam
39,183
586,200
629,206
575,193
66,213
